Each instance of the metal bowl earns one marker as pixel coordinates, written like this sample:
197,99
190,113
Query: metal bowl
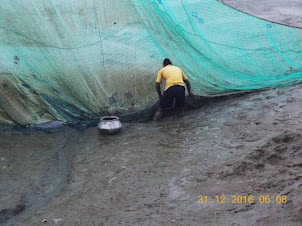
110,125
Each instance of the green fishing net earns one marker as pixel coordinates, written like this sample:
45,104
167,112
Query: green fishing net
80,59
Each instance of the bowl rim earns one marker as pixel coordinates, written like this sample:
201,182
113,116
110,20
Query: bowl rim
109,118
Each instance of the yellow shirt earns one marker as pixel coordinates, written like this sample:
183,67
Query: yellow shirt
172,75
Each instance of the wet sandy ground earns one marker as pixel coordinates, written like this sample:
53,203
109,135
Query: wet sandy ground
153,173
287,12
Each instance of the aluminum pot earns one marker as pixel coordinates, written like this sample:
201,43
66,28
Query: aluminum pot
110,125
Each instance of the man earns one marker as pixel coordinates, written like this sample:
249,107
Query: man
175,82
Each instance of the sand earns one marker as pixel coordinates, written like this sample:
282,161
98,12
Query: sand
284,12
153,173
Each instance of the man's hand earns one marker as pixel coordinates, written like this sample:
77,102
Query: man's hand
189,87
158,89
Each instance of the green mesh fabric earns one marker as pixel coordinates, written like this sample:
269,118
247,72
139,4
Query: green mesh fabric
80,59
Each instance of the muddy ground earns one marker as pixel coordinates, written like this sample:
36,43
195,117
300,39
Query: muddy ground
287,12
153,173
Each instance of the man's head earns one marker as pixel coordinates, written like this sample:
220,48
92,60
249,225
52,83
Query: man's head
167,62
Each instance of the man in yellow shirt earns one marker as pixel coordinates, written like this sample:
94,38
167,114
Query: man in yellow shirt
175,88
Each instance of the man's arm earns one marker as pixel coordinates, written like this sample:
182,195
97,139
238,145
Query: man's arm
188,87
158,89
158,81
186,80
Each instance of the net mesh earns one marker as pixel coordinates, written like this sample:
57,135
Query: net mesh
81,59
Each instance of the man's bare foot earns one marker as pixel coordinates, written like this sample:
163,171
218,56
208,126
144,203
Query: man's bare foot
158,115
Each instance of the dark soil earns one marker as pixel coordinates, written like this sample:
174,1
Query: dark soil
154,173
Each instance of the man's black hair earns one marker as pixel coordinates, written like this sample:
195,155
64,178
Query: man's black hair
167,62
